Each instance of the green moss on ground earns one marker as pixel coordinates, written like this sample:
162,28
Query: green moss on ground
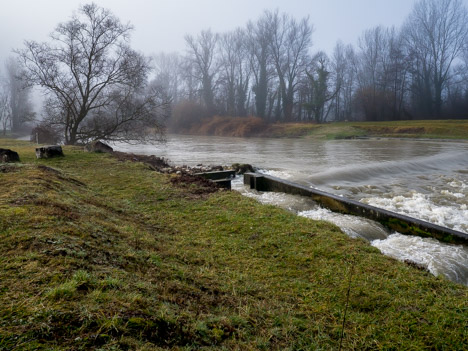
101,254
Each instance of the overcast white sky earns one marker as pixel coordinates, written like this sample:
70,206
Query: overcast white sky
160,25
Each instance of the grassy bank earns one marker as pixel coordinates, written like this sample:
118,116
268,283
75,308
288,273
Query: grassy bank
96,253
255,127
447,129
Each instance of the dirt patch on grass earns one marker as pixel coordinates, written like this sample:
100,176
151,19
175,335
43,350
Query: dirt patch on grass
7,168
416,265
386,130
155,163
194,186
49,172
410,130
160,164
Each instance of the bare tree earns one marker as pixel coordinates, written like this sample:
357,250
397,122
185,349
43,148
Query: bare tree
129,116
244,72
436,32
338,65
343,67
258,42
348,85
320,95
202,52
396,70
190,87
89,71
235,72
229,66
290,44
372,46
168,74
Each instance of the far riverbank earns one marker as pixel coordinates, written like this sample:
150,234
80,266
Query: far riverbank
256,127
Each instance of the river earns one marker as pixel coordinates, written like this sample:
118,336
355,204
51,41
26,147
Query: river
423,179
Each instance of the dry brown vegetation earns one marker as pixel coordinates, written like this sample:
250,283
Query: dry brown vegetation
230,126
244,127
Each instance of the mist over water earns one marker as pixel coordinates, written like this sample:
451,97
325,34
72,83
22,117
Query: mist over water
423,179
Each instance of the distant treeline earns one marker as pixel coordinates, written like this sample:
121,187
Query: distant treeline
267,69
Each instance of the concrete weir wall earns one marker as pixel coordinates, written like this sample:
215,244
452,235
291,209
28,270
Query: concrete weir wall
400,223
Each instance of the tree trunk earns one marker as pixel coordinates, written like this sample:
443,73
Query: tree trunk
70,139
261,92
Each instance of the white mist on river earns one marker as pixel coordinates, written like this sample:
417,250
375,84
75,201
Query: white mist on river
427,180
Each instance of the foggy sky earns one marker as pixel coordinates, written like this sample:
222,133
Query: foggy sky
160,25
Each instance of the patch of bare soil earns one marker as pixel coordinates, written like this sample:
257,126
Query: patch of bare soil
8,168
410,130
160,164
155,163
194,186
416,265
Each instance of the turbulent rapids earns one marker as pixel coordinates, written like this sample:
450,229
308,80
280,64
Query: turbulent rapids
427,180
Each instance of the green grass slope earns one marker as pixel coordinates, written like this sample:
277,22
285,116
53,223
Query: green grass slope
98,254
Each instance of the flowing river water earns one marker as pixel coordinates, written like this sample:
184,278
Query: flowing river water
427,180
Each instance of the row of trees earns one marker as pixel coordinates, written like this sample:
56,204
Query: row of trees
267,69
15,99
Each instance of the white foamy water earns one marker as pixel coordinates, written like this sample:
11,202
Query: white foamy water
355,227
288,202
439,258
282,174
444,204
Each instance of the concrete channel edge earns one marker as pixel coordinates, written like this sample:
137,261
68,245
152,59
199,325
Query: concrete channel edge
395,221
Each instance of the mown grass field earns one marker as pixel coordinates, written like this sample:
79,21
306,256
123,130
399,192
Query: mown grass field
98,254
